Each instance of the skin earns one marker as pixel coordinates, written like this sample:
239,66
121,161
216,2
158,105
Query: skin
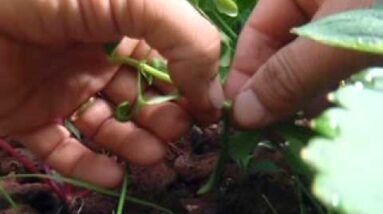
274,74
52,61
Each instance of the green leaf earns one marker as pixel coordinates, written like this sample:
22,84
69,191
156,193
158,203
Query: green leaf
72,129
349,173
241,147
123,111
160,64
296,138
227,7
360,30
370,78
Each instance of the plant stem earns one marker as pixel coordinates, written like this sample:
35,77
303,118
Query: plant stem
29,165
90,187
124,191
217,175
225,25
8,198
159,75
272,209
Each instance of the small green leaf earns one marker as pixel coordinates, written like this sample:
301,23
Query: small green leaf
360,30
160,64
72,129
328,123
242,146
123,112
227,7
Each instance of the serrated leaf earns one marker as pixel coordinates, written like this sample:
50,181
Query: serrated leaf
370,78
227,7
349,175
360,30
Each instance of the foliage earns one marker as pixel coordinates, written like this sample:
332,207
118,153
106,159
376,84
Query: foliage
348,161
345,146
230,20
347,156
360,30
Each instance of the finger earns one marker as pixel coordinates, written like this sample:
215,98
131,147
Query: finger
265,33
53,145
168,121
290,78
193,59
132,143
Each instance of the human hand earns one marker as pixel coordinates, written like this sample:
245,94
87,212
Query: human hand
274,74
52,60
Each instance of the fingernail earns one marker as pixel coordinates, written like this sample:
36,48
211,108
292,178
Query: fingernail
216,94
248,110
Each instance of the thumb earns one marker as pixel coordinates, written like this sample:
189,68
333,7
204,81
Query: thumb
291,78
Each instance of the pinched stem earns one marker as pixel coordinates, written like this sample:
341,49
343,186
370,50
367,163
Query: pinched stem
139,65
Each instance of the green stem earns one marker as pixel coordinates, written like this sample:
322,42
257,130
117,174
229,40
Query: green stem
8,198
145,68
124,191
217,175
90,187
225,25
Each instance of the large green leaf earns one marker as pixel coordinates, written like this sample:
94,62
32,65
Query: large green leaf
348,163
360,30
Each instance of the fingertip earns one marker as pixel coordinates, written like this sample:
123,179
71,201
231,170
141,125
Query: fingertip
234,83
99,170
217,97
249,112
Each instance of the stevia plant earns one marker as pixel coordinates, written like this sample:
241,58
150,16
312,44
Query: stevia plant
344,156
347,153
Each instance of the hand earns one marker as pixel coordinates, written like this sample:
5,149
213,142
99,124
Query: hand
53,60
274,74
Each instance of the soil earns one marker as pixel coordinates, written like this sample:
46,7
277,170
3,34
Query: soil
172,185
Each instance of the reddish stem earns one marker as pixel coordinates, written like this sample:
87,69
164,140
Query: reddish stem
29,165
84,193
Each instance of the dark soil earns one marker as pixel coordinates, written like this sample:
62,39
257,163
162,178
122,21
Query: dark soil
172,184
